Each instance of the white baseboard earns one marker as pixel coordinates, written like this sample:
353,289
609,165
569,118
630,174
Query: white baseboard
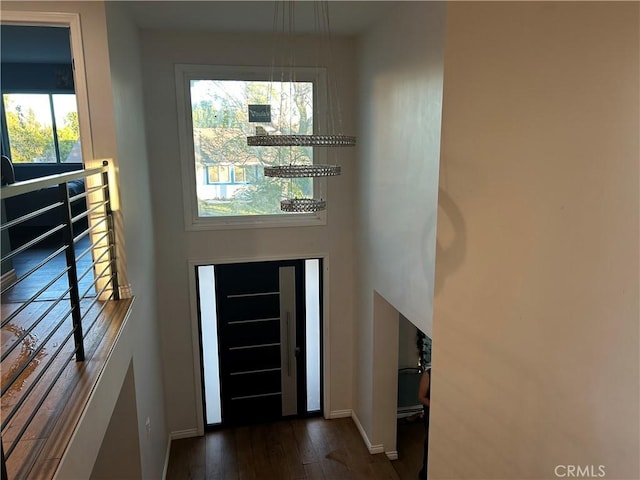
177,435
340,414
189,433
373,449
393,455
166,459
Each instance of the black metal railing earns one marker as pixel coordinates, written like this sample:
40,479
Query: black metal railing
61,278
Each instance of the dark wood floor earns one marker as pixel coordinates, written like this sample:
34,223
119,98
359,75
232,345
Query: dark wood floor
293,449
410,446
29,286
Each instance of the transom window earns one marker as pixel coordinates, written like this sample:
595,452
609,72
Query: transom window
224,175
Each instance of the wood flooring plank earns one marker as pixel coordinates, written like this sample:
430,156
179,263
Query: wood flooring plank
307,451
221,459
246,467
178,459
196,459
22,460
334,455
186,462
279,467
291,455
22,322
358,458
314,471
304,449
259,448
314,431
410,446
382,469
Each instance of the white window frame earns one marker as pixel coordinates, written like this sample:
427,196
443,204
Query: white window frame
184,74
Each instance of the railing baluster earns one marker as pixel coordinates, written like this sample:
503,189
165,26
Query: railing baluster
72,273
112,237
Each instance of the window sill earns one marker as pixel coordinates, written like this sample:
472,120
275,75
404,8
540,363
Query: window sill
257,221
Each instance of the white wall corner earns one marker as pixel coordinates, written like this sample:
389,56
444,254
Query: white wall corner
166,458
373,449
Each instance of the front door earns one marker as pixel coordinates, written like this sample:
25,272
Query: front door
261,332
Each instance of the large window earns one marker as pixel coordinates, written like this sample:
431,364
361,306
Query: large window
223,174
42,127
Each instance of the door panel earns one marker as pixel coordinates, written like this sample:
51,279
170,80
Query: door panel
252,333
251,410
260,307
253,307
257,383
245,360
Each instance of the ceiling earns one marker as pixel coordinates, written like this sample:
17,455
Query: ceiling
51,44
346,17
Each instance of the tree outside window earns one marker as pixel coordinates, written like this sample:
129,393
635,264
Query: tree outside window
219,114
42,128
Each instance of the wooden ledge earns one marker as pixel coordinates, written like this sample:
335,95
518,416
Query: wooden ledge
38,453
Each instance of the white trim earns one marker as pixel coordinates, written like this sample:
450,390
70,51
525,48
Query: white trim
195,346
326,337
188,433
166,458
373,449
71,20
192,263
340,414
392,455
184,73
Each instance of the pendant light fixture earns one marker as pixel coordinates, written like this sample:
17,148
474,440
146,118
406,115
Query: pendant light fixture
284,34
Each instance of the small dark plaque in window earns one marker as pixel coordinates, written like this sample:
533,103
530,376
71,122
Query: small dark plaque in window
260,113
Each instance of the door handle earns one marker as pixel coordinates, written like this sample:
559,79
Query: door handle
288,348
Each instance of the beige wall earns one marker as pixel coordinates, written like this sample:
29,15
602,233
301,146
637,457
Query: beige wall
535,354
136,206
400,93
161,50
119,456
400,113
